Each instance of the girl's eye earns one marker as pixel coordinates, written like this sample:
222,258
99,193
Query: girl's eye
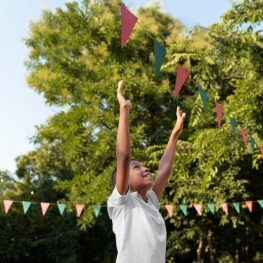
135,166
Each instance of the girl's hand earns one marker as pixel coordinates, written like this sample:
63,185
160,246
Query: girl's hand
180,121
122,101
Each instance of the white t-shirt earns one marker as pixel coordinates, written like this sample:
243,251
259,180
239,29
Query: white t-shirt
138,226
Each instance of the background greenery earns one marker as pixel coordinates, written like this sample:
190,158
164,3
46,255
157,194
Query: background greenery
75,61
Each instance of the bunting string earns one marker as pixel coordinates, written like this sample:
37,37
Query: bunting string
169,207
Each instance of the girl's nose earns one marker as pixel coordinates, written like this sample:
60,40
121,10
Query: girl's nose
146,169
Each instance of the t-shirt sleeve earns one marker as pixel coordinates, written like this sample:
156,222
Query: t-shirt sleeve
154,199
116,200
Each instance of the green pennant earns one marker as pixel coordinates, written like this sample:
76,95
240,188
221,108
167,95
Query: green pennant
252,142
26,205
96,209
211,208
61,208
184,209
203,97
159,52
237,207
260,203
233,124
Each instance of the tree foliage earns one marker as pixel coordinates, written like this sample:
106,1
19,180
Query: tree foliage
75,61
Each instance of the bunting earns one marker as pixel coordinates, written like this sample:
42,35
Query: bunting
26,205
7,205
44,207
219,114
237,207
260,203
159,53
61,208
225,208
184,209
203,97
96,209
211,208
169,209
261,150
243,133
233,125
128,21
252,143
181,77
79,209
198,209
249,205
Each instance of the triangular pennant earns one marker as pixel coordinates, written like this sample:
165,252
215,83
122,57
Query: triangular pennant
261,150
243,133
249,205
225,208
203,97
96,209
181,77
260,203
184,209
79,209
218,114
252,142
159,53
237,207
7,205
61,208
169,209
44,207
233,125
128,21
198,209
211,208
26,205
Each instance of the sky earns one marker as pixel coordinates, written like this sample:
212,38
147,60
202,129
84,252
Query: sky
21,108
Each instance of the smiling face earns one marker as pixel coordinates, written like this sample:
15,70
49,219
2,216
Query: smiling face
140,177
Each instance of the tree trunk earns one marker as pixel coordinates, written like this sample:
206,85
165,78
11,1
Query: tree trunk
210,247
199,250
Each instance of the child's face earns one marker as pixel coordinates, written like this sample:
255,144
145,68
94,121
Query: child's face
140,176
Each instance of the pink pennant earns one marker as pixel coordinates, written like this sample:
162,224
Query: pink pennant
218,113
79,209
249,205
128,21
243,133
44,207
198,209
169,209
7,205
181,77
225,207
261,150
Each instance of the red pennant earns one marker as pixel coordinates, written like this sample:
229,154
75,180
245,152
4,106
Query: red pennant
198,209
128,21
7,205
243,133
79,209
181,77
44,207
261,150
225,207
219,114
249,205
169,209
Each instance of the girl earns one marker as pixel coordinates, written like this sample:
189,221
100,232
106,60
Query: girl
138,226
